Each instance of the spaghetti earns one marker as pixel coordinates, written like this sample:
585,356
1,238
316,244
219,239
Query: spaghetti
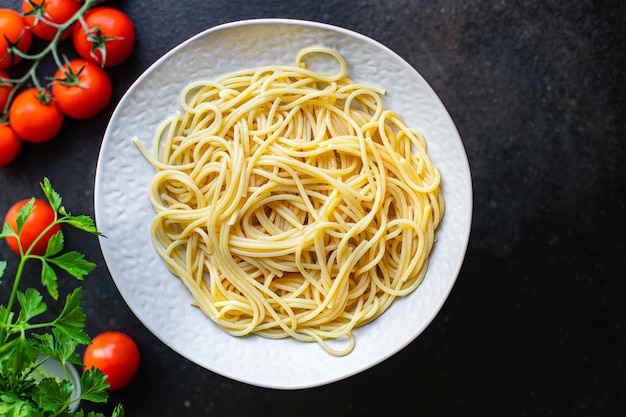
291,203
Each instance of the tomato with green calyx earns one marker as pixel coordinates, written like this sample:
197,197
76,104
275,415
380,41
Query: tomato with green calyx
82,89
10,145
34,116
13,35
107,38
116,355
5,90
41,218
44,16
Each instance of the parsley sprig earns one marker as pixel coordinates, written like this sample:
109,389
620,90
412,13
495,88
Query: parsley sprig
27,342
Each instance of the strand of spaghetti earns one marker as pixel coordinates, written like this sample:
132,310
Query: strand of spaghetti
343,66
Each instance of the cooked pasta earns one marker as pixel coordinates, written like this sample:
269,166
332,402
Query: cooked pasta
291,203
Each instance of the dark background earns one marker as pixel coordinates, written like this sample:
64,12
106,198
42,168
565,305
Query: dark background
536,324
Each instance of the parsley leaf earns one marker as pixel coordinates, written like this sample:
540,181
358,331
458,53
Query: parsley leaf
74,263
71,321
49,279
65,348
32,305
94,387
17,355
81,222
7,231
55,244
23,214
53,197
52,395
11,405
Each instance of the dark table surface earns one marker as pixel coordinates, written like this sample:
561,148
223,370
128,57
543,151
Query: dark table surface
536,323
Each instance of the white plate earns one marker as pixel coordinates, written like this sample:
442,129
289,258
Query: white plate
123,211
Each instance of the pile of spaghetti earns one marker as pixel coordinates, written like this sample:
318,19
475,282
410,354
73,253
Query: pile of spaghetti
291,203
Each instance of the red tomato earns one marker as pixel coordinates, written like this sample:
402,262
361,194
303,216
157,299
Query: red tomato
34,116
110,39
82,89
13,31
116,355
10,145
5,90
54,11
40,218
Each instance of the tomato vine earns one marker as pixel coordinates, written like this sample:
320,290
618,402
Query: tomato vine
94,42
50,49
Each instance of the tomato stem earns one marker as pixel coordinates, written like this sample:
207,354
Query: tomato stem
39,12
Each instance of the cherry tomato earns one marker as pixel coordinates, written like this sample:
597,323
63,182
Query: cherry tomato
40,218
116,355
34,116
54,11
13,31
110,39
10,145
82,89
5,90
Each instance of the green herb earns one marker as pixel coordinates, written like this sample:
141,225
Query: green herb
26,342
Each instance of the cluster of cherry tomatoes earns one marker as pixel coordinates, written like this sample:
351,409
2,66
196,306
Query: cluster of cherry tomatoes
102,36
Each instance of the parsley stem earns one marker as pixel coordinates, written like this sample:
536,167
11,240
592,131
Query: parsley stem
6,320
31,326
